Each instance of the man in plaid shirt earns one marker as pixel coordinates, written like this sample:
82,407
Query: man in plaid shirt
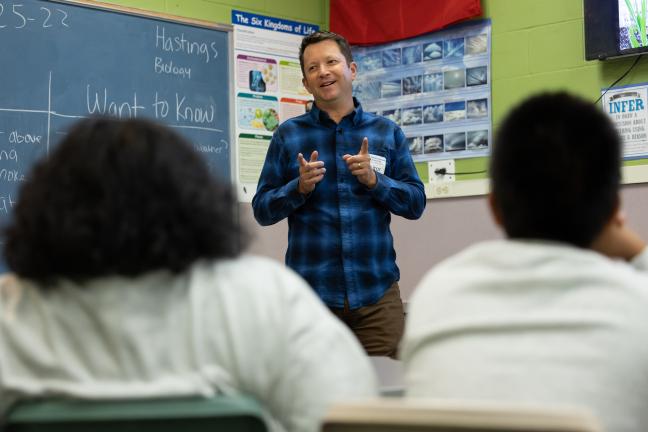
337,173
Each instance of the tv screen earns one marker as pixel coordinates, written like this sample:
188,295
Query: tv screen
632,25
614,28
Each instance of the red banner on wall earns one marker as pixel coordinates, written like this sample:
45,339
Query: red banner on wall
366,22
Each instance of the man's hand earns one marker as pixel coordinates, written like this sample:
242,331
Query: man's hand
618,241
360,165
310,173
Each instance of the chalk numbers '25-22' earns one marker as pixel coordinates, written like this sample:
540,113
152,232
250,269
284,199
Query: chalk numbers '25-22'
15,16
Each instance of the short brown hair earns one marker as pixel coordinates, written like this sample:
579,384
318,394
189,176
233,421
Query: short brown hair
321,36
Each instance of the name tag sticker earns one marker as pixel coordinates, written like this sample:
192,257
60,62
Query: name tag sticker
378,163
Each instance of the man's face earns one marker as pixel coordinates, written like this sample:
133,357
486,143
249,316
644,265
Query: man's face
327,76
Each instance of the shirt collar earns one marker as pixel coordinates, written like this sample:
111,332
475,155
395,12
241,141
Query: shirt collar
321,116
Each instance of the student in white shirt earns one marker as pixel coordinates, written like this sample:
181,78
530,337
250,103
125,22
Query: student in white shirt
128,282
556,313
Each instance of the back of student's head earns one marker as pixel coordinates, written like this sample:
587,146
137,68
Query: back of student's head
555,170
120,198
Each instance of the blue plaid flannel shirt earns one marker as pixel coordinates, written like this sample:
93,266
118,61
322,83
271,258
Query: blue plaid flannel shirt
338,236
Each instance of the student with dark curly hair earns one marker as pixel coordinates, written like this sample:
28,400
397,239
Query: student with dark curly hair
557,312
128,283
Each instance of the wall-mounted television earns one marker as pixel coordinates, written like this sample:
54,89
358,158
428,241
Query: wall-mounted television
614,28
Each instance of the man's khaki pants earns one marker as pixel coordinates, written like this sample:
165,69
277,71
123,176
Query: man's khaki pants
378,327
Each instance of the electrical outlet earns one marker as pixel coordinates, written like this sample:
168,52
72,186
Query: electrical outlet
448,165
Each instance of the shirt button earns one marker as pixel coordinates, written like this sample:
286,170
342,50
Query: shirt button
339,131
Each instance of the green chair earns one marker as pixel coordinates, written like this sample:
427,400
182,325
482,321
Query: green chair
222,413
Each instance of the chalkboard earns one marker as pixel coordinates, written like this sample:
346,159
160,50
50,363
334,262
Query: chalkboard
64,60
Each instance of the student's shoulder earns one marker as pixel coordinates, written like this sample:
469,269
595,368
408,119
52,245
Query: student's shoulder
249,273
255,262
12,285
629,275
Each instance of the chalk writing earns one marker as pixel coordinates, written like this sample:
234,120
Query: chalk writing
170,68
17,138
102,104
193,114
181,44
65,61
11,175
17,18
6,203
11,155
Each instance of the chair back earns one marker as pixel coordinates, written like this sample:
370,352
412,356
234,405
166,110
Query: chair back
421,415
222,413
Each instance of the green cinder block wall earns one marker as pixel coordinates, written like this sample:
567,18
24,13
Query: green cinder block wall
537,45
220,11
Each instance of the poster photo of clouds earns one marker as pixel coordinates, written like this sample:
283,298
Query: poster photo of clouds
436,87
